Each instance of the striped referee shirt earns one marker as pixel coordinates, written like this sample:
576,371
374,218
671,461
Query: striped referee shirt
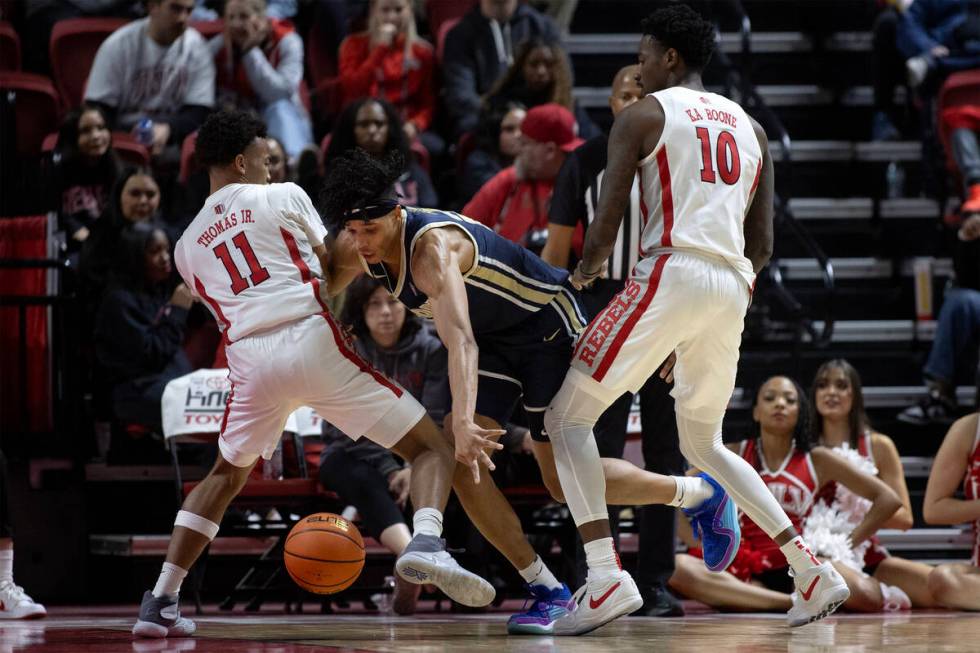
576,199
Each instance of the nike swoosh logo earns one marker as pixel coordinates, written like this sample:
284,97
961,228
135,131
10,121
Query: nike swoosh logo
809,591
602,599
552,336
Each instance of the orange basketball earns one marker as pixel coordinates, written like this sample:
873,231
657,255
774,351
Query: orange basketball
324,553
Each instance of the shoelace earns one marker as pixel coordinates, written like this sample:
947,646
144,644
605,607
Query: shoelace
15,591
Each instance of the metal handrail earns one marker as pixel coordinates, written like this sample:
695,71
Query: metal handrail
751,98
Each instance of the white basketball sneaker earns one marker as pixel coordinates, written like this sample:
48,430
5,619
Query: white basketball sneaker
819,591
598,602
16,604
425,560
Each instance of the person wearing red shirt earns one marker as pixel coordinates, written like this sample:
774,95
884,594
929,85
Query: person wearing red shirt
514,203
390,61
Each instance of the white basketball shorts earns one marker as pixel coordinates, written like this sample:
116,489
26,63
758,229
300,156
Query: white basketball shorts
310,362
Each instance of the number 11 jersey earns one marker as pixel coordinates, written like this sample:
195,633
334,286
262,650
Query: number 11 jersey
698,183
248,255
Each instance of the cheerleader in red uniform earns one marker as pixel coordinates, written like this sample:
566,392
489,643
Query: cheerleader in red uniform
956,585
841,424
758,579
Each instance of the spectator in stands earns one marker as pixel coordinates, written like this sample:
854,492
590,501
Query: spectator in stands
259,64
498,140
373,125
954,347
392,62
957,464
139,328
84,168
155,68
939,37
887,70
480,48
841,425
540,74
574,201
364,474
515,202
14,601
277,161
780,451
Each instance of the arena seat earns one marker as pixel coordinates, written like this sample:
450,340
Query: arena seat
187,163
73,46
9,47
33,102
441,12
961,89
209,28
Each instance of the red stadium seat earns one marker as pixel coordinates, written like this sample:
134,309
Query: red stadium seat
73,45
961,89
130,150
187,163
441,11
209,28
35,107
441,37
9,47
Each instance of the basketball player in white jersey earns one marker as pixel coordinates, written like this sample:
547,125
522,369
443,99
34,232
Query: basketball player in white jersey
254,256
706,195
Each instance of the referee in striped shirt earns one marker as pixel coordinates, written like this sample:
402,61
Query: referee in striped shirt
574,203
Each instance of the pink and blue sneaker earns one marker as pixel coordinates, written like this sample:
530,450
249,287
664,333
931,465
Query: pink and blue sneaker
548,605
715,523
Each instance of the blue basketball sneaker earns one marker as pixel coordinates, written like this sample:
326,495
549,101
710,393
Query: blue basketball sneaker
715,523
548,606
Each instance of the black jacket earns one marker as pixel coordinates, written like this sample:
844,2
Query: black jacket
472,63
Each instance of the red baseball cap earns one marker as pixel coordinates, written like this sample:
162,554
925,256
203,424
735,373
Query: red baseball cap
551,123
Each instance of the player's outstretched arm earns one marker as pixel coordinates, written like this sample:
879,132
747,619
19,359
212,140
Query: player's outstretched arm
758,220
634,134
884,502
339,261
436,270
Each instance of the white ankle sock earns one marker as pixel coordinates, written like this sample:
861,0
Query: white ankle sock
427,521
798,555
601,556
537,573
691,491
6,565
168,584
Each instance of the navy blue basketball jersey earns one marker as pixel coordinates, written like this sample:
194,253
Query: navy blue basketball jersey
506,284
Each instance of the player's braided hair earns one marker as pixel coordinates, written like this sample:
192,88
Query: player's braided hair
680,27
225,135
356,179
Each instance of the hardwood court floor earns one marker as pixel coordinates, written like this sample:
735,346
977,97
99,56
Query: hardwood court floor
710,633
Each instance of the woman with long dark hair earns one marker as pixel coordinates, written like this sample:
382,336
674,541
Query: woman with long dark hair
780,450
374,126
841,424
498,141
139,329
84,170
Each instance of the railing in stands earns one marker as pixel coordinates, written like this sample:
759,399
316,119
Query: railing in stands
739,76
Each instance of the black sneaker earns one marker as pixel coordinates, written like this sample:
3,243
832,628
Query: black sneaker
659,602
934,408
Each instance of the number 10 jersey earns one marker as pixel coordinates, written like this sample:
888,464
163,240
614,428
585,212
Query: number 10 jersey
698,184
248,255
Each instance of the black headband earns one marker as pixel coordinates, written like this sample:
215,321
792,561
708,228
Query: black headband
379,209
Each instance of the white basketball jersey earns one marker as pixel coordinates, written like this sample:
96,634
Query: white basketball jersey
249,256
698,183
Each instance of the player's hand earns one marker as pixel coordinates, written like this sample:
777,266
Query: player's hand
581,279
667,369
398,484
472,442
182,297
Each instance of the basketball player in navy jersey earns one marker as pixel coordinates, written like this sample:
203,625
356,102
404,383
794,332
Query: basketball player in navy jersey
509,321
706,188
